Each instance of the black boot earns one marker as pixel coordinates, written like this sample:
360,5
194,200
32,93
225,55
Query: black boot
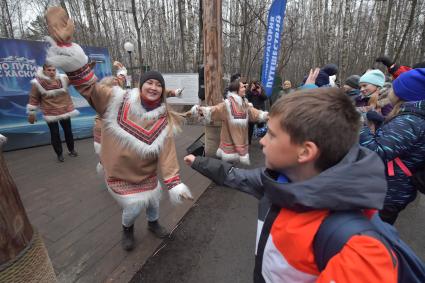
60,158
127,240
158,230
73,153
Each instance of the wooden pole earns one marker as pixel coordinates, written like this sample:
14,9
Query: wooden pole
23,256
15,229
213,55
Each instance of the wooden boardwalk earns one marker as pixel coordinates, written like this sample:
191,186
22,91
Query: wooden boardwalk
79,221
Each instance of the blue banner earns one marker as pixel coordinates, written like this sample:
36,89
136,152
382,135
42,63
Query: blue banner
272,46
19,60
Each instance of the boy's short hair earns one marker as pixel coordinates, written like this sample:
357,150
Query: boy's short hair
325,116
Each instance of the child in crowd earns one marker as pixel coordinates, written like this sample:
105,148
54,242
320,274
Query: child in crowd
314,166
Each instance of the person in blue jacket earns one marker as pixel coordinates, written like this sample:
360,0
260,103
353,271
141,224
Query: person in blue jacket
400,141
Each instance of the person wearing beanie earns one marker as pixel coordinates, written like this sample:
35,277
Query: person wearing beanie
400,142
137,133
330,69
370,84
235,112
351,87
394,69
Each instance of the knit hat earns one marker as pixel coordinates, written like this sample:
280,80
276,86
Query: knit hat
152,75
353,81
322,79
410,86
330,69
374,77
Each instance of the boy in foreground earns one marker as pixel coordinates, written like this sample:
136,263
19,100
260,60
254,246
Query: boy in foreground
314,166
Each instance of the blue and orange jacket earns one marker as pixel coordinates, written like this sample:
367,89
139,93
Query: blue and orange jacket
402,137
357,182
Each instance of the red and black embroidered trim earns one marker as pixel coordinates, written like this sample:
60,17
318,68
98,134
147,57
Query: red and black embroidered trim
80,76
235,113
146,136
172,182
50,85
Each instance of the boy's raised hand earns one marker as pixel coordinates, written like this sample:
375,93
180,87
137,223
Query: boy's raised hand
189,159
312,76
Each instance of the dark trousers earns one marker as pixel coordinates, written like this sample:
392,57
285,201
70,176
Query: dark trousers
55,136
389,213
251,129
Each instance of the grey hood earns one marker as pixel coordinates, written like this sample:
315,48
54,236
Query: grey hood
357,182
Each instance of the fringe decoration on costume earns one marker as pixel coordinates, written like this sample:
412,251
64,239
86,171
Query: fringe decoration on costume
51,118
52,92
123,137
241,121
139,198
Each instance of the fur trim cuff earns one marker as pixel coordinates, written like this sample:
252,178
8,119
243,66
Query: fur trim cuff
68,58
263,117
97,147
244,159
206,111
228,157
73,113
99,169
31,109
3,140
177,191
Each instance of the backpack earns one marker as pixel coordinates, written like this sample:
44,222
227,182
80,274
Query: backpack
418,176
340,226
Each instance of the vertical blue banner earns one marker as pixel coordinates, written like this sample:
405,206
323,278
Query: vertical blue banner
19,60
272,45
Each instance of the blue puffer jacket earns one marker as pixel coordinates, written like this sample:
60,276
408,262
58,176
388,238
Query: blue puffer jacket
403,137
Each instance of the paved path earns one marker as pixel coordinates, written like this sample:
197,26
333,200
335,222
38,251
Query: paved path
79,221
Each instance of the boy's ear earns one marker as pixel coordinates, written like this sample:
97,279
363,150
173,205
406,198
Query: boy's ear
308,152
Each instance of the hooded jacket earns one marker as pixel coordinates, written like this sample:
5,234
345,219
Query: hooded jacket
403,137
288,253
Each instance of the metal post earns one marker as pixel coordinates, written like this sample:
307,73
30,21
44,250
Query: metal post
131,70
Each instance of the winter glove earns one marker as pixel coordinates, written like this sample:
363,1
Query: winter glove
178,92
387,61
59,25
31,118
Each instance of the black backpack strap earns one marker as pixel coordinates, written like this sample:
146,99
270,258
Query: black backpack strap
336,230
265,232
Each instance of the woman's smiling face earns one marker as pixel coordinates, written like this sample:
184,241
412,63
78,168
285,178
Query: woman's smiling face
151,90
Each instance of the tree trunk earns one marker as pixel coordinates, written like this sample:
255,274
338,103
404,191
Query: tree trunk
406,32
385,26
182,17
200,53
139,40
89,16
213,67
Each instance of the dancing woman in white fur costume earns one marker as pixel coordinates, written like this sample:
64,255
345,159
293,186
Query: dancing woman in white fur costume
137,132
234,112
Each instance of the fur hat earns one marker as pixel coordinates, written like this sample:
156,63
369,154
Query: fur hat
152,75
374,77
410,86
